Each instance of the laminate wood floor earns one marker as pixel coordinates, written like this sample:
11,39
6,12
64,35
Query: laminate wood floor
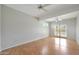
46,46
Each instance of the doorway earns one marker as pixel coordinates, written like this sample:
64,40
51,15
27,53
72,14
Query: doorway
60,30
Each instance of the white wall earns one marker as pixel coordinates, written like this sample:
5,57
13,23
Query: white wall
77,30
0,27
18,28
49,27
71,28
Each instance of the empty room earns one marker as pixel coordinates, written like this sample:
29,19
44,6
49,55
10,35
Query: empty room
39,29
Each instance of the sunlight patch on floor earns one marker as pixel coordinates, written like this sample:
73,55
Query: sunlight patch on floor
61,43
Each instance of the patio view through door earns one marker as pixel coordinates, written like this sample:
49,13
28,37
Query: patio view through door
60,30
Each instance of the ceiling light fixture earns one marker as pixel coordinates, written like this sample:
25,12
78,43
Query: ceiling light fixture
58,19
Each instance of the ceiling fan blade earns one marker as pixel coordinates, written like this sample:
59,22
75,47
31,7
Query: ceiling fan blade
44,9
45,5
41,7
37,18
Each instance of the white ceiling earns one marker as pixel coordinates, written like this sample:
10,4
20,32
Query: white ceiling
63,17
69,15
52,10
30,9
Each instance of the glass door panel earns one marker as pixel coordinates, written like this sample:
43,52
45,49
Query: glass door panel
60,30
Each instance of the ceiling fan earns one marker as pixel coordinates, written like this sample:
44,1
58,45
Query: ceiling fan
41,7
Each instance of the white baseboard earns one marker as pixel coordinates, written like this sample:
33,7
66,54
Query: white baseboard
31,40
25,42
